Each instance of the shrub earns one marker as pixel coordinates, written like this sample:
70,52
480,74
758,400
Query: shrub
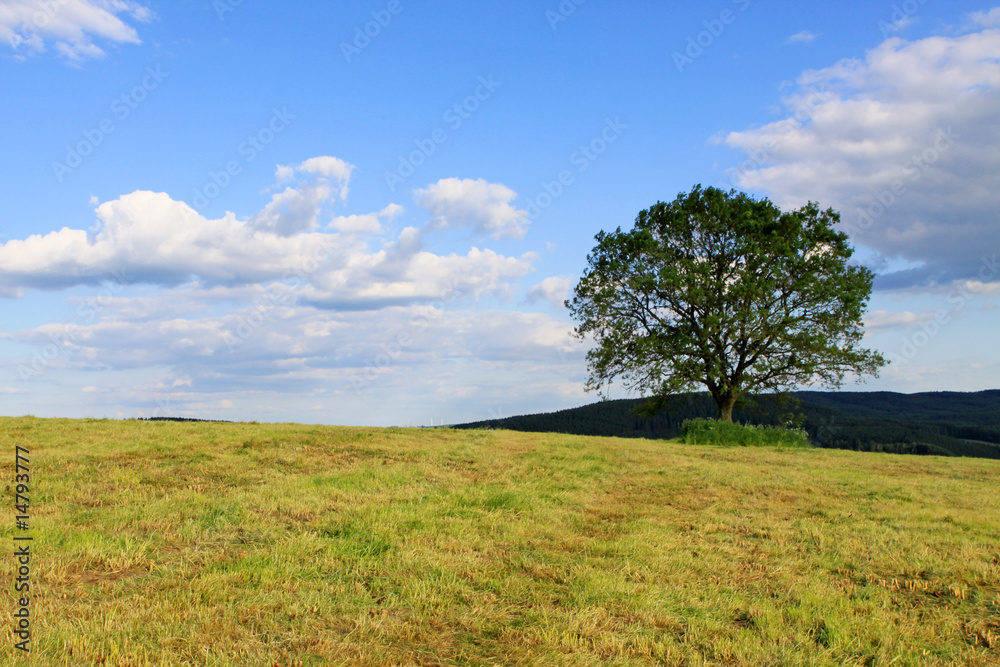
715,432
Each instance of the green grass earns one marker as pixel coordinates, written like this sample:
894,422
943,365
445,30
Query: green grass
236,544
732,434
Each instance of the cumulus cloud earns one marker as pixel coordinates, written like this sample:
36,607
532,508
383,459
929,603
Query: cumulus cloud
387,277
155,239
483,207
330,167
369,223
70,26
904,143
149,237
296,208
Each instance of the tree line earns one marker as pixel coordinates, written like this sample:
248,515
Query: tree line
935,423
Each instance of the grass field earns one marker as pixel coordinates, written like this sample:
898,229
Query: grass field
242,544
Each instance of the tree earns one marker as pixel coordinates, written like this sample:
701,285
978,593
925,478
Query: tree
721,290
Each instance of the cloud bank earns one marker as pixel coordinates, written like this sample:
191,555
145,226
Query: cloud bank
904,143
336,261
298,299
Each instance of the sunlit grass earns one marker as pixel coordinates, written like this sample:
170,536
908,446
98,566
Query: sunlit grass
238,544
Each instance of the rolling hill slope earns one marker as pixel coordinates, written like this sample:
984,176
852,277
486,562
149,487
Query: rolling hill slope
184,543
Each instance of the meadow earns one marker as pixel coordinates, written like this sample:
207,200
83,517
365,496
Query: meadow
163,543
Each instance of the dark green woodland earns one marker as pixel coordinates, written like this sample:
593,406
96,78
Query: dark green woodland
934,423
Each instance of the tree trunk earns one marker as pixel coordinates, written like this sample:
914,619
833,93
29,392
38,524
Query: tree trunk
726,404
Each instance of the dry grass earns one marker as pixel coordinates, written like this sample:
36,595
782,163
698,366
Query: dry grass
240,544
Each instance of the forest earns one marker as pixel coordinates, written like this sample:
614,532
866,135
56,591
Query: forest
932,423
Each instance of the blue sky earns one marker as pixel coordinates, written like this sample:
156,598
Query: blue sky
255,210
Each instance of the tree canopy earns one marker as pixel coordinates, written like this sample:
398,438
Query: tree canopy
721,290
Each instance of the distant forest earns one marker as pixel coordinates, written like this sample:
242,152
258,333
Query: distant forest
938,423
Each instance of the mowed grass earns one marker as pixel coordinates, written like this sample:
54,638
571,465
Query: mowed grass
239,544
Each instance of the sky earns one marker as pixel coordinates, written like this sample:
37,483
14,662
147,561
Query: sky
369,212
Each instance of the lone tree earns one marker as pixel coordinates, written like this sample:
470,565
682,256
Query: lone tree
721,290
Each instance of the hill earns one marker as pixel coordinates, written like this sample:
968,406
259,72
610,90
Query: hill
941,423
176,543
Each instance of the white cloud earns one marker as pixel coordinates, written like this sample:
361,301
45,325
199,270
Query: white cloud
554,290
148,237
28,26
292,211
904,143
296,209
484,207
803,37
882,320
153,238
369,223
388,277
330,167
987,19
292,302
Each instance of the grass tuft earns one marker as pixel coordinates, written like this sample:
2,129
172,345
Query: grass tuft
730,434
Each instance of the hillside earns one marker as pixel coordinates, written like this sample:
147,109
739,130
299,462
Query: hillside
244,544
942,423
